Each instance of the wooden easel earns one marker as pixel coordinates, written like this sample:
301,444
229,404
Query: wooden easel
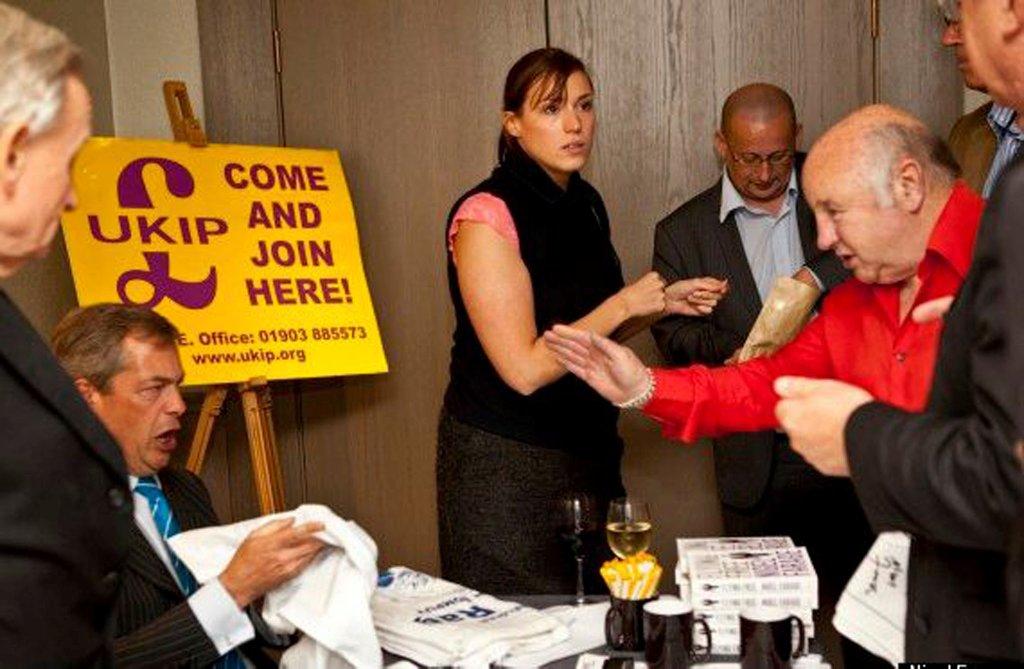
255,393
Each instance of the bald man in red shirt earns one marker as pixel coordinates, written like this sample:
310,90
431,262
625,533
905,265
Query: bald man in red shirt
888,202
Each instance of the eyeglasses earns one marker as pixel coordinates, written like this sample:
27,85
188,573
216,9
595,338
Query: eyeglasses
776,159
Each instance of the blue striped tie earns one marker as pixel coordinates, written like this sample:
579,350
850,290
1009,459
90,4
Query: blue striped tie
168,526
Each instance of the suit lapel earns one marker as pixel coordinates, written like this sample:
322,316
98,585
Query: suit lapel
27,355
741,281
808,229
190,515
143,560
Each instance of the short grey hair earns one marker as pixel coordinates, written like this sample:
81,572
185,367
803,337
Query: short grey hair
88,341
890,142
35,62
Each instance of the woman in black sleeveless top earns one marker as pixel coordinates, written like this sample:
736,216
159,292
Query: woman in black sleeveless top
527,248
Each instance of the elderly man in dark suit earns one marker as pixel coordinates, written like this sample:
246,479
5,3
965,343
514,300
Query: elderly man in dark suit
124,362
65,509
951,476
751,227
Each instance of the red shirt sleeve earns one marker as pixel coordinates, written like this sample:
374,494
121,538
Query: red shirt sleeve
698,401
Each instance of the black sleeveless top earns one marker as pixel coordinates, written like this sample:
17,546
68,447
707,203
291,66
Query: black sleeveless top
565,243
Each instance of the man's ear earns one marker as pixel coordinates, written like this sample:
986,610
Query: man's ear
88,391
798,134
13,138
721,147
909,186
1014,12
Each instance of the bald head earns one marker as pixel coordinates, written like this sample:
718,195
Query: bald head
872,143
757,102
878,181
757,144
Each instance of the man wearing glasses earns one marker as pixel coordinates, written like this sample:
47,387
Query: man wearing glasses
751,227
985,140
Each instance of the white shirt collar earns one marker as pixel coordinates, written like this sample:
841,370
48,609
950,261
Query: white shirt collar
134,480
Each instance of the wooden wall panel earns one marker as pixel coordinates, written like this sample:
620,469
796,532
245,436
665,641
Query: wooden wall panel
662,70
239,82
917,72
409,92
241,106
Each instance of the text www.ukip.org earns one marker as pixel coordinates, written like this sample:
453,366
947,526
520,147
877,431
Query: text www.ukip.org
252,355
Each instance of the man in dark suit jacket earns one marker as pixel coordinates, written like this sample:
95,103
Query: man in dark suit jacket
124,363
752,226
65,508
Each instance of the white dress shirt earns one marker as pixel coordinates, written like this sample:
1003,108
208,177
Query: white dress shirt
221,619
771,242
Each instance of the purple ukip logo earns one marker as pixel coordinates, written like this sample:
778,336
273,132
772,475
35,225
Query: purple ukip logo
132,194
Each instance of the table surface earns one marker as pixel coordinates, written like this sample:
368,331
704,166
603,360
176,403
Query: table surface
546,601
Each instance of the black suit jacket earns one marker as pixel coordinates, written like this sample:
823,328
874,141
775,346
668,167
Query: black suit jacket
691,242
949,476
155,624
65,510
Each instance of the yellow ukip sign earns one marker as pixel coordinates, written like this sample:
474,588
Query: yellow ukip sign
252,252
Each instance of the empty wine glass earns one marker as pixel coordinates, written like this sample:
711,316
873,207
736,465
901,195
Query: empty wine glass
580,522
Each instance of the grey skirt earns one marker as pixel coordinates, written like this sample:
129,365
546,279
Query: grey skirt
500,511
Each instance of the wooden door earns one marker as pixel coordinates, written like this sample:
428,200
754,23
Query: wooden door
663,70
409,92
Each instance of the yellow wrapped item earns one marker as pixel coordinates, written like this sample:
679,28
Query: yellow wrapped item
635,577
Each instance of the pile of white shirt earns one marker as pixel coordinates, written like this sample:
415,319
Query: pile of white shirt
329,601
437,623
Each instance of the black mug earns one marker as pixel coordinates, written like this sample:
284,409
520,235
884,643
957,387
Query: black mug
624,624
766,639
668,635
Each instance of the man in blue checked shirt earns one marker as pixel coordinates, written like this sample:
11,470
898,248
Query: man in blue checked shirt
985,140
124,362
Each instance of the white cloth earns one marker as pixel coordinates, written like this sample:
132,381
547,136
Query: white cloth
872,610
225,624
586,630
437,623
329,601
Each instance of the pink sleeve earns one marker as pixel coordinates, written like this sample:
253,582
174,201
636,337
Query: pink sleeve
489,210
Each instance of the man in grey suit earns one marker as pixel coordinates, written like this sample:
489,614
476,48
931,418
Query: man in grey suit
65,507
751,227
124,362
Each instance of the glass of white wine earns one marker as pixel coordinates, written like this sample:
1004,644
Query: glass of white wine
629,527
